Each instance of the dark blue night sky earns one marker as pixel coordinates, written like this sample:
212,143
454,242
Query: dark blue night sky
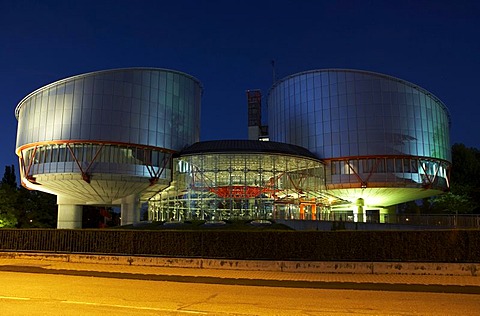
229,45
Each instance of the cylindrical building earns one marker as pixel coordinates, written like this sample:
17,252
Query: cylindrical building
106,137
385,140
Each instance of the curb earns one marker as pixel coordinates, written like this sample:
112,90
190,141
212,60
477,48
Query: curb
404,268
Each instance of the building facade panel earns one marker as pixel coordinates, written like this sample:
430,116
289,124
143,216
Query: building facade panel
152,107
343,113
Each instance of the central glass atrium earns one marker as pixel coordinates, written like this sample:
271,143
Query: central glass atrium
229,185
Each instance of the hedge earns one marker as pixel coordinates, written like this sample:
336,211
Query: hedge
405,246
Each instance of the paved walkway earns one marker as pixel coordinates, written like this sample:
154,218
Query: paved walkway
390,282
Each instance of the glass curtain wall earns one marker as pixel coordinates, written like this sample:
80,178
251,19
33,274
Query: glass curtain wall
241,186
389,171
98,158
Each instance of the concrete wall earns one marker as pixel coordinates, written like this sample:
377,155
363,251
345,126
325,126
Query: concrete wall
417,268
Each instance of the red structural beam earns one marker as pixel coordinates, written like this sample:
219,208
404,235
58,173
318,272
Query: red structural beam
238,192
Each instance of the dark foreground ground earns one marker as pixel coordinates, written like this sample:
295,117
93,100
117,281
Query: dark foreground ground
38,287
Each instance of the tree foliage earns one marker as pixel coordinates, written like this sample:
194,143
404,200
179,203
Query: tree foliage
453,203
8,198
9,177
22,208
8,214
464,195
465,166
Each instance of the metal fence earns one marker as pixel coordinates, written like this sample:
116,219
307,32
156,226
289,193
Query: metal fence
454,245
451,221
387,222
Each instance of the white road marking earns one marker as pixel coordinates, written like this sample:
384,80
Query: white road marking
135,307
14,298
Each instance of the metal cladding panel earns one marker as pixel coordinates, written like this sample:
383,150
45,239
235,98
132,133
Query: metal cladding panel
347,113
143,106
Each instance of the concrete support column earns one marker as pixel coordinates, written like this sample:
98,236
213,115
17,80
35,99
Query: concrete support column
359,216
130,209
69,213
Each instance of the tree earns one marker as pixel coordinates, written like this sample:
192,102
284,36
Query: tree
22,208
36,209
465,176
9,177
453,203
8,198
7,219
465,166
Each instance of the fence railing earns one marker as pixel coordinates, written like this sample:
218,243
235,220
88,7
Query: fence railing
454,245
455,221
433,220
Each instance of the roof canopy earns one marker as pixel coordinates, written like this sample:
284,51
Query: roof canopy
246,146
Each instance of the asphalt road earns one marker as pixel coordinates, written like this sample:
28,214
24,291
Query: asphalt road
23,293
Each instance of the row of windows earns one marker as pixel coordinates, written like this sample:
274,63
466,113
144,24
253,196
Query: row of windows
217,170
244,162
305,180
209,208
96,156
99,168
389,165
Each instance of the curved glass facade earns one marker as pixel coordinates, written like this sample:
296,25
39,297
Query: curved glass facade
242,186
115,129
144,106
346,113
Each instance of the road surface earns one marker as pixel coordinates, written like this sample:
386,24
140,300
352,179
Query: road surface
51,294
